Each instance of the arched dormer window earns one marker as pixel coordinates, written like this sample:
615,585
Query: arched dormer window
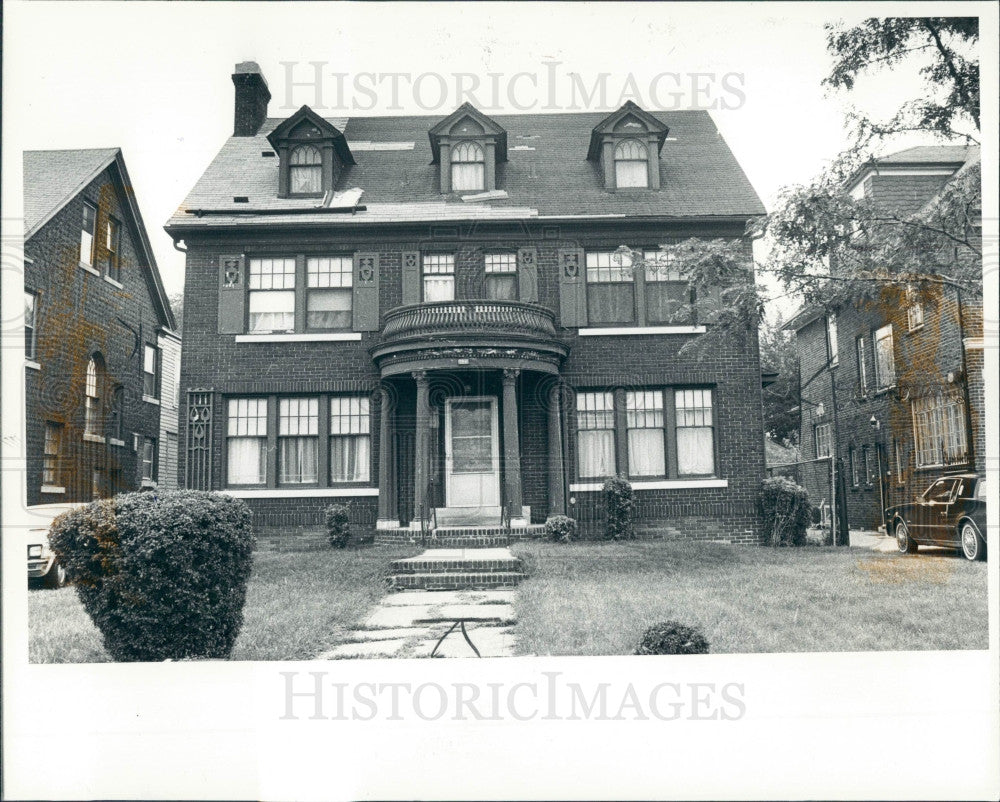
305,170
631,164
468,167
92,396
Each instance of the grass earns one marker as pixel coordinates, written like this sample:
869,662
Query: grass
597,598
298,603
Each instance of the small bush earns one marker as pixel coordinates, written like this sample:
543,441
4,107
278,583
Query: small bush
619,499
338,525
560,528
784,507
672,637
161,575
815,515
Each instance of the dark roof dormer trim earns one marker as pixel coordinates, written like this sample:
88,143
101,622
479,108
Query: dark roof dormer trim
325,131
491,129
607,126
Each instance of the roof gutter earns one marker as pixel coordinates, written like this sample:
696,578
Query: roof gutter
250,212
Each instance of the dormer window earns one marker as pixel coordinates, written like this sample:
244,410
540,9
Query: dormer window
631,164
468,167
305,171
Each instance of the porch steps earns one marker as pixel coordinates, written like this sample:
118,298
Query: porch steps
457,569
462,537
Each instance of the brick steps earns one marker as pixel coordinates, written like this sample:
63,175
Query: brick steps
484,580
458,537
457,569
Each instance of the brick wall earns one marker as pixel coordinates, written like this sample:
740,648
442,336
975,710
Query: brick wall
80,313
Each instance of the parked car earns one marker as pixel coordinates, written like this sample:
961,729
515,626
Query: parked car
951,513
43,567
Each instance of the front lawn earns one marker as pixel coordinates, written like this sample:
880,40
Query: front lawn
597,598
298,603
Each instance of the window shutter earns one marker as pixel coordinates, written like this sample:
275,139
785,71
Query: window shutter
365,302
232,294
708,304
572,288
411,277
527,275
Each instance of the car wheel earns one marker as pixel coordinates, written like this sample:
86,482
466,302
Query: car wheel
973,546
904,542
56,577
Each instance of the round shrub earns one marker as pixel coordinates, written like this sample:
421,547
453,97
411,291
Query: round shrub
161,575
560,528
619,500
338,525
785,509
672,637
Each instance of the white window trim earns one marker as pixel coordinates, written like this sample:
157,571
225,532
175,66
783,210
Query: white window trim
149,483
327,337
90,268
117,284
640,330
32,364
93,438
115,441
150,400
308,492
54,489
654,484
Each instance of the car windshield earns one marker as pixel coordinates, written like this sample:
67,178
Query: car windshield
940,490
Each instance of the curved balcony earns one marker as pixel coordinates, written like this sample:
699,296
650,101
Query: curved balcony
467,333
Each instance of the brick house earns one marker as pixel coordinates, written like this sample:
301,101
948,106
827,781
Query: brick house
905,401
98,334
426,317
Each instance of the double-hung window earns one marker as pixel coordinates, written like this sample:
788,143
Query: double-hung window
112,244
855,467
350,439
646,433
439,277
668,296
823,440
898,451
870,469
595,438
831,340
52,453
298,441
610,288
501,276
885,364
246,448
468,167
272,294
30,323
87,230
328,302
305,170
631,164
149,459
150,366
914,316
695,438
939,430
92,399
861,349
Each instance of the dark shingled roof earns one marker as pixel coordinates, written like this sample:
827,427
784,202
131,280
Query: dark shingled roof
53,177
546,174
928,154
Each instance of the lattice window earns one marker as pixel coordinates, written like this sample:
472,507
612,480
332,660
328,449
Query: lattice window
198,465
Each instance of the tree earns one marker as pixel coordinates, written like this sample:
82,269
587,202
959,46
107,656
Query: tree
781,398
177,305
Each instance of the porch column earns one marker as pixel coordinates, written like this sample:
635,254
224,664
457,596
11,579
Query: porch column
557,485
420,447
388,517
511,448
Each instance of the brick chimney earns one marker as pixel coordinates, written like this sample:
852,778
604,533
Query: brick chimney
252,96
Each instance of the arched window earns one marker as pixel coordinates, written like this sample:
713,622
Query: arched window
631,164
468,167
305,170
92,397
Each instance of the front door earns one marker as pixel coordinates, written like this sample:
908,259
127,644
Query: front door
472,463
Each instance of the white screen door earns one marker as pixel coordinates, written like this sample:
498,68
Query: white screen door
472,464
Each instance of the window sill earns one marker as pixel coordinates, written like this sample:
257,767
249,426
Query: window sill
305,492
884,390
53,489
116,442
114,283
92,438
654,484
150,483
150,400
32,364
90,269
328,337
640,330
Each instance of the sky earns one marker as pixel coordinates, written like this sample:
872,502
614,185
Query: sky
154,78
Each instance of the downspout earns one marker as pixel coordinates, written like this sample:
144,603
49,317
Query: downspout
970,448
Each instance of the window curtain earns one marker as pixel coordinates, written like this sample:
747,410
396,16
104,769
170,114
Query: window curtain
246,461
646,452
610,303
501,287
297,460
439,288
596,453
328,309
629,173
350,458
272,310
468,176
668,302
694,451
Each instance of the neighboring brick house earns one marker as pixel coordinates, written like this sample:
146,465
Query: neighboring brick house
96,323
907,373
424,317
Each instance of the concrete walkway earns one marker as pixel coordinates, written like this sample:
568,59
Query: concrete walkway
403,625
873,541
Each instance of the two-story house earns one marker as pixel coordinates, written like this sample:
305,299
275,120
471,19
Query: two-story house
100,351
426,317
893,389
